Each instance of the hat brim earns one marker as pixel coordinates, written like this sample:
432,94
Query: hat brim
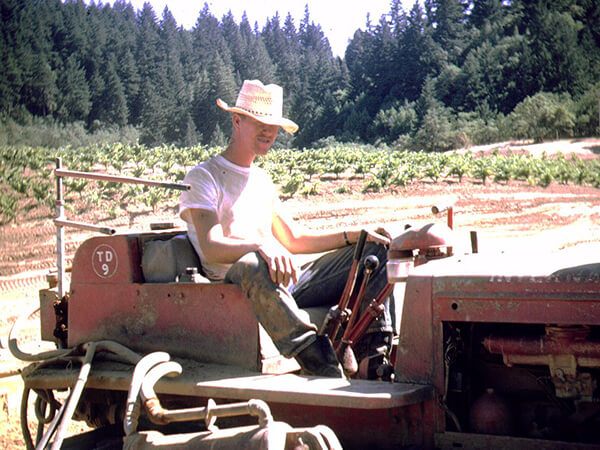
287,125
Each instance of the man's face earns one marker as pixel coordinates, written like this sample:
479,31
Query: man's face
256,135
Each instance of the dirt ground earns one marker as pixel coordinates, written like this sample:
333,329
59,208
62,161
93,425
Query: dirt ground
512,217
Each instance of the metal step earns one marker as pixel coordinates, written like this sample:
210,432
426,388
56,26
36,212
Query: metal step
228,382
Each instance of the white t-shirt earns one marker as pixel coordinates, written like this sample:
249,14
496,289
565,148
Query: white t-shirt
244,199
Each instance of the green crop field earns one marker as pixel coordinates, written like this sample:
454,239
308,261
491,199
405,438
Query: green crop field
27,182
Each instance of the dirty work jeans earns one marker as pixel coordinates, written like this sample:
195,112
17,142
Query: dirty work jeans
320,283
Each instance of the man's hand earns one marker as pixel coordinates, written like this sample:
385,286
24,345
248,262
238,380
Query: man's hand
279,261
379,235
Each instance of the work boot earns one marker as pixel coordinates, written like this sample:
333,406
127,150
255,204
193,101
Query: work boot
319,359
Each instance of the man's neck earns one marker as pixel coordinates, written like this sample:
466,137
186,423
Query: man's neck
238,155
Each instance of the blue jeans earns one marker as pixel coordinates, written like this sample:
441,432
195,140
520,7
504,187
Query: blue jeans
320,283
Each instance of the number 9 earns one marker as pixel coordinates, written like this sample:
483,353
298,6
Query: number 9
105,269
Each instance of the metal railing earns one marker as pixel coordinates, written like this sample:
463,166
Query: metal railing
61,221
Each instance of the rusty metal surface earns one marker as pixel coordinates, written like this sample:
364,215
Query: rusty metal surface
47,316
107,260
564,350
235,383
415,357
501,289
364,414
250,437
208,322
392,428
212,323
526,349
519,309
509,289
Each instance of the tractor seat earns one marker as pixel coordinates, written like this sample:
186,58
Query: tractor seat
167,260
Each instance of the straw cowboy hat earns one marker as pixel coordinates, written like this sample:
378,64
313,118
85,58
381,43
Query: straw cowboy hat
263,103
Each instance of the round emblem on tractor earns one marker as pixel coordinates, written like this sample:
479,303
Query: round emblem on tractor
105,261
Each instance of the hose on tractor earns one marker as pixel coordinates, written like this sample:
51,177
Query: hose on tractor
150,370
58,421
132,409
17,353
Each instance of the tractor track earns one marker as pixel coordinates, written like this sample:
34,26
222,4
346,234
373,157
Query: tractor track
21,282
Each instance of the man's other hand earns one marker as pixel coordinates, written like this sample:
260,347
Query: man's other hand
279,261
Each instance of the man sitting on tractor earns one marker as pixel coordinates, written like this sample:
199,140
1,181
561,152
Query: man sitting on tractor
242,236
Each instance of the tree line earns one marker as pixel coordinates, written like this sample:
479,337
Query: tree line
444,74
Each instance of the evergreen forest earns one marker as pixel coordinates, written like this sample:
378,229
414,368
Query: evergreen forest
444,74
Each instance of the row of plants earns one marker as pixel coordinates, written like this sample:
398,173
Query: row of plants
27,181
382,168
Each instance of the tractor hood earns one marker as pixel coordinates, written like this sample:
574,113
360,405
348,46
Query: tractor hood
560,266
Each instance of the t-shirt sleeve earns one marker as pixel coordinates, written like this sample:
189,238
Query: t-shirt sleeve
203,193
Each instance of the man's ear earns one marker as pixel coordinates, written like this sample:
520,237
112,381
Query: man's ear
235,120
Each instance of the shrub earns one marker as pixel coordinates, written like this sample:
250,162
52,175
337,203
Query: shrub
543,116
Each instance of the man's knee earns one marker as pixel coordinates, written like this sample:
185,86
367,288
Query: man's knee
248,266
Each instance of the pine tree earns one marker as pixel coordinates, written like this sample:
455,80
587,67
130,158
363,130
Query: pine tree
40,89
147,107
207,38
558,63
11,75
418,52
152,118
317,82
237,47
201,104
74,102
123,42
283,47
10,81
113,103
174,92
104,64
190,137
451,30
257,62
216,82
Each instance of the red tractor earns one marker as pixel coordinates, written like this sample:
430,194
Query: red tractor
491,352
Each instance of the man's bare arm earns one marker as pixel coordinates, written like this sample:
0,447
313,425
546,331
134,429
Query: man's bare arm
297,239
216,247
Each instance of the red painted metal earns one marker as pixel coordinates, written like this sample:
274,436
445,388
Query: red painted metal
484,289
108,260
435,209
359,429
108,300
335,323
212,323
415,357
